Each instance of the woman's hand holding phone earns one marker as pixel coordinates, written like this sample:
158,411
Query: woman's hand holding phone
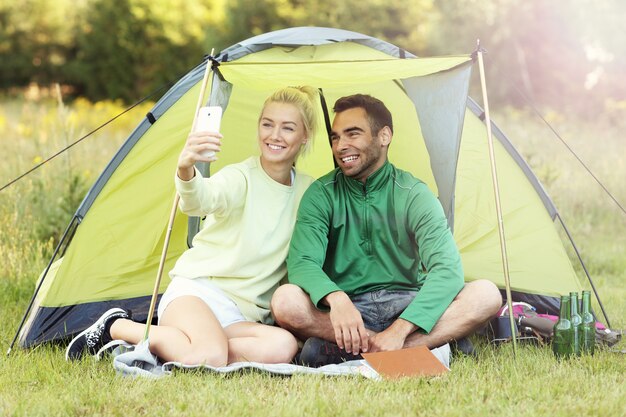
202,143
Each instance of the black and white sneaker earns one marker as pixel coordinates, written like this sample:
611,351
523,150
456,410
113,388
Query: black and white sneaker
318,352
94,337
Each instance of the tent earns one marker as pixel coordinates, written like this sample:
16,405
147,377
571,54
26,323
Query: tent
109,253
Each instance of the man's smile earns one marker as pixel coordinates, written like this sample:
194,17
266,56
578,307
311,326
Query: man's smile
349,158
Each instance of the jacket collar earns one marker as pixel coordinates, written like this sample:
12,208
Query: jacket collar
374,182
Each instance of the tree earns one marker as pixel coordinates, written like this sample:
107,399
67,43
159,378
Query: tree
390,20
538,49
127,48
35,39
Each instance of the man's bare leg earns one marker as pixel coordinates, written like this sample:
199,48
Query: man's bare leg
293,310
477,303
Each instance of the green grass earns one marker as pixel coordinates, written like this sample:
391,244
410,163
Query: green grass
40,382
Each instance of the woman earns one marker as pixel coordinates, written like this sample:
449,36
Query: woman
216,309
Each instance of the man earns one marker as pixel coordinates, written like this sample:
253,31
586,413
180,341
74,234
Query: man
372,264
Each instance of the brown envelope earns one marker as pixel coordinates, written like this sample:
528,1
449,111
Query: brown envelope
417,361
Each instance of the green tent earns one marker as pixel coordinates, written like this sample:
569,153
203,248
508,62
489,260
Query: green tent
110,251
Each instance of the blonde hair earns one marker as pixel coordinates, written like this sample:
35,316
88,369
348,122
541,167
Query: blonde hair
304,99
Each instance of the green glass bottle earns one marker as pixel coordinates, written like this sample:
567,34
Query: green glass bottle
588,326
576,321
562,339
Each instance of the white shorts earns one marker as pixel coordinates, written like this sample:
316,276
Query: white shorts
224,308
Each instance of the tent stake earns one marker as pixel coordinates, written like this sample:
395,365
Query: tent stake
170,223
496,192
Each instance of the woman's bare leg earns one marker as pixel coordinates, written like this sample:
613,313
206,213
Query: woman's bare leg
188,333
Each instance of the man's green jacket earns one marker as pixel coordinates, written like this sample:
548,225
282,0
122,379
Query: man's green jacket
389,233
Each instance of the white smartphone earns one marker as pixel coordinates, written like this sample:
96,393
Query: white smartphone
209,119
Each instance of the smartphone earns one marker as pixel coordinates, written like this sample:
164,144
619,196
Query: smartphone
209,119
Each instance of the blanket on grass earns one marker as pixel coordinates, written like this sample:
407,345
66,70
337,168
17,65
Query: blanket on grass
137,361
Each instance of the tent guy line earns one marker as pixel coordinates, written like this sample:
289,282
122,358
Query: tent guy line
538,113
77,141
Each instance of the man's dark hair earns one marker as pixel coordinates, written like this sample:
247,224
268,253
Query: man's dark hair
377,113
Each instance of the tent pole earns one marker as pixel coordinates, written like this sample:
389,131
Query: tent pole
582,263
157,282
45,274
496,192
170,223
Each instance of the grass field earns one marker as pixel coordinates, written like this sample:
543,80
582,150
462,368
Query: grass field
40,382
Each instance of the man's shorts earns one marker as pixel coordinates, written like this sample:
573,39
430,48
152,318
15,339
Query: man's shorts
221,305
381,308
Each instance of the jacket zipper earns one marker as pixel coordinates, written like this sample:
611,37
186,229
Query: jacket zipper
366,221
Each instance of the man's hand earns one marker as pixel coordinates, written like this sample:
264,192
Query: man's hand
393,337
350,332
